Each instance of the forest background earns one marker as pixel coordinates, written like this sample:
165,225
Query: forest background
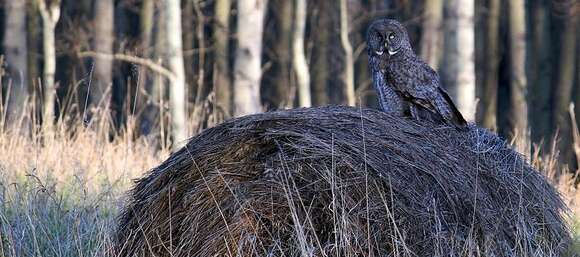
133,79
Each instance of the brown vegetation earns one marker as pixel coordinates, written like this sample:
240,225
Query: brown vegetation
339,181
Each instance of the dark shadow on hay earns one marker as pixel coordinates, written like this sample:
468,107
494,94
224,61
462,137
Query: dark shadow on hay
339,181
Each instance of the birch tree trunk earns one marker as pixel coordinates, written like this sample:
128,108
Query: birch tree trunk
33,39
50,14
247,66
459,72
431,40
146,19
490,80
200,38
565,79
104,39
299,58
159,89
148,99
146,23
347,75
174,53
518,83
16,59
222,82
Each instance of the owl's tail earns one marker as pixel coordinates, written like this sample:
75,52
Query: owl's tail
454,115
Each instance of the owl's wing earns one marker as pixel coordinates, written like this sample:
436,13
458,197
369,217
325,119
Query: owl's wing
448,110
427,93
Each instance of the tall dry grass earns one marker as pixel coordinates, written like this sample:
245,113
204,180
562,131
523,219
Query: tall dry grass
60,191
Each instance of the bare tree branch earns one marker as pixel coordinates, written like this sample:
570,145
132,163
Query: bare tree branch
132,59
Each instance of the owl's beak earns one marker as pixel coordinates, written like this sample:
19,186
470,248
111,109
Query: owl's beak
380,50
377,50
389,50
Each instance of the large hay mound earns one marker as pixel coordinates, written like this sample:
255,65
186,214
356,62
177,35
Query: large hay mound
339,181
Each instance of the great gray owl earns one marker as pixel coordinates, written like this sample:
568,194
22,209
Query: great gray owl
404,83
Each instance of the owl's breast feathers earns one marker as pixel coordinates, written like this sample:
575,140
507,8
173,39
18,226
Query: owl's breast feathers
407,76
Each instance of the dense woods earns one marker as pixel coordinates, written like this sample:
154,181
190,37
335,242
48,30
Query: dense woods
166,69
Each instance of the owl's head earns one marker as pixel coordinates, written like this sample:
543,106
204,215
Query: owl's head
387,38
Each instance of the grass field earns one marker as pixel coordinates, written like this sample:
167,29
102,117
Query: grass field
59,195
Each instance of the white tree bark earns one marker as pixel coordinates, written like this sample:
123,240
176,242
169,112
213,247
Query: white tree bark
491,66
104,40
174,52
222,81
247,66
348,75
459,72
518,81
431,40
50,15
299,58
16,58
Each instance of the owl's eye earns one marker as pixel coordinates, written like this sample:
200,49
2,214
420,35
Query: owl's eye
391,36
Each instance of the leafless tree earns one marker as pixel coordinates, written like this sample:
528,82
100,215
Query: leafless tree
174,55
50,14
104,38
540,69
16,59
566,74
491,70
282,92
298,55
247,67
222,82
459,69
432,38
518,82
320,66
347,75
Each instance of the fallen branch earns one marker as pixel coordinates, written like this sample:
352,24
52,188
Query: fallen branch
132,59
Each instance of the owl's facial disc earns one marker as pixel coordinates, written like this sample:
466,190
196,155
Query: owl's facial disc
375,43
391,44
390,50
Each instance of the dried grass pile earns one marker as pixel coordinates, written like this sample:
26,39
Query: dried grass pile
339,181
